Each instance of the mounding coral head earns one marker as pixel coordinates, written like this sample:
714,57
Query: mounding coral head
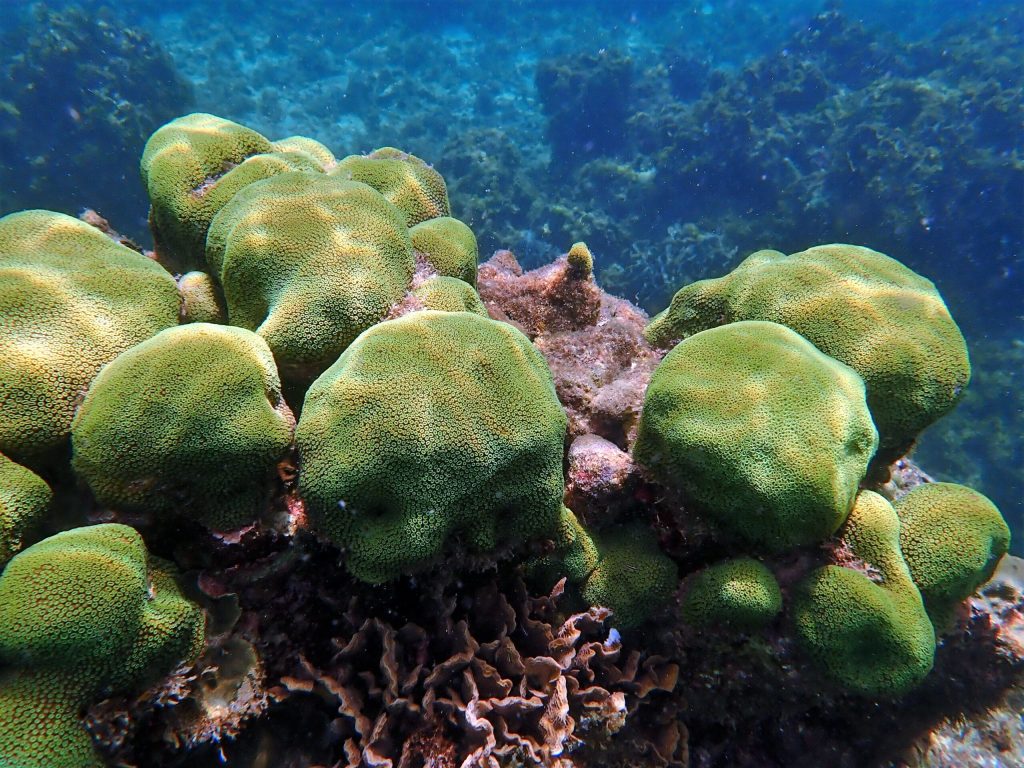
448,245
83,613
432,428
952,538
857,305
71,300
25,499
190,422
761,430
412,185
309,261
740,593
866,629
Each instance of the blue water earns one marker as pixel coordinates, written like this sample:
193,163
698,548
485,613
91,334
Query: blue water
674,137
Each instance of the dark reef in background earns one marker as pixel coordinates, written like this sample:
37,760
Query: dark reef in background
844,134
81,93
586,98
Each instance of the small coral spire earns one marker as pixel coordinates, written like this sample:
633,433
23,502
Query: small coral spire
581,262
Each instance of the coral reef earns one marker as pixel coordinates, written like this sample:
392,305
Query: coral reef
857,305
72,300
309,261
412,186
190,422
507,531
740,592
82,613
952,538
449,246
866,626
400,437
750,416
586,100
25,499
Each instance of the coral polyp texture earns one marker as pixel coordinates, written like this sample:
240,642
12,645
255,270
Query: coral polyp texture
449,246
82,613
767,434
740,593
449,294
508,528
433,426
952,538
190,421
71,300
308,262
24,500
186,167
857,305
632,576
200,299
871,635
414,187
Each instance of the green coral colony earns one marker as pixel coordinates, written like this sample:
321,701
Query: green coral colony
439,432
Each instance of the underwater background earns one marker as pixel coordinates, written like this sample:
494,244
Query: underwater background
675,139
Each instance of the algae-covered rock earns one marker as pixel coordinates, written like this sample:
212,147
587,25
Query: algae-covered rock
760,429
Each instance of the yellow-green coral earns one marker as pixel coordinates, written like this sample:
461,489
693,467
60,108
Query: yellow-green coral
952,538
870,637
171,631
429,428
449,245
183,164
574,556
415,188
633,577
761,430
308,262
740,593
311,147
24,499
859,306
190,422
580,261
200,299
449,294
71,300
79,602
83,613
40,722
